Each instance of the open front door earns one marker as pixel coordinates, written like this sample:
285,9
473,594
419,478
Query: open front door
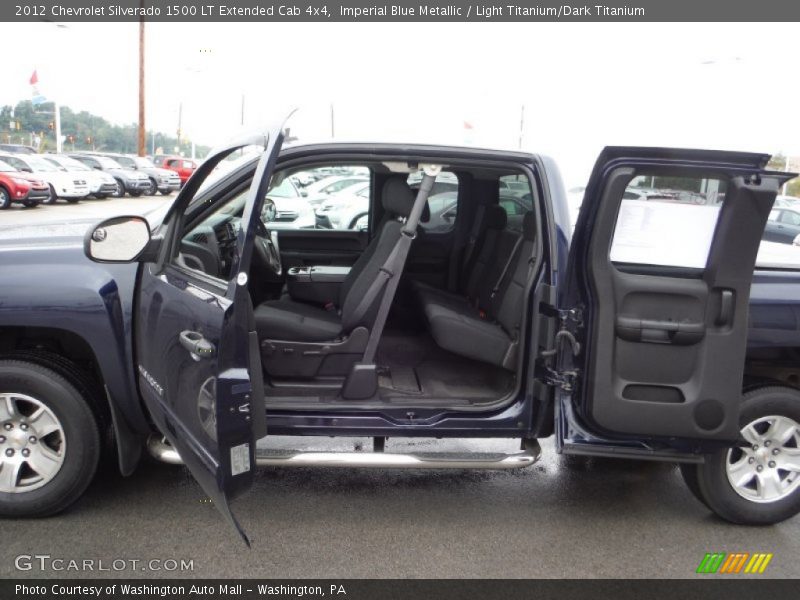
659,274
197,365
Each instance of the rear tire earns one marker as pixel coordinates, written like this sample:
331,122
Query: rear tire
770,419
5,198
78,437
690,478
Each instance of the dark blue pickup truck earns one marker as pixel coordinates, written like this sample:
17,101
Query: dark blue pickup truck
201,330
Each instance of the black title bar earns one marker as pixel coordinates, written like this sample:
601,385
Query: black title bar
707,588
370,11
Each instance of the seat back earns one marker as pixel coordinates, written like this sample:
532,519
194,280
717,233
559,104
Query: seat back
397,199
479,269
506,307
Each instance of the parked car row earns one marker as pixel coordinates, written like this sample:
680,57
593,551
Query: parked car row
31,179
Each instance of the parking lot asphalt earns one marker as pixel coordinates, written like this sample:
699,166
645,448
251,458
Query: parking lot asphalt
45,214
577,518
559,518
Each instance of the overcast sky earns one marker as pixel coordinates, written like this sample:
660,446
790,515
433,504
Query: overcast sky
727,86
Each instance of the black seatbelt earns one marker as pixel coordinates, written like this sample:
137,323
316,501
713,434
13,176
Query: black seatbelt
510,260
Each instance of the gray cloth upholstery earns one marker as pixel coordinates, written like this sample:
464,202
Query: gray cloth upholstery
288,320
485,327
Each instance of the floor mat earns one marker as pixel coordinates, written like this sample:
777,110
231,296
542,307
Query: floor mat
413,365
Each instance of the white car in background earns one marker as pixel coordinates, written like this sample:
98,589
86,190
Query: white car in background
292,211
787,202
101,185
69,185
344,209
319,191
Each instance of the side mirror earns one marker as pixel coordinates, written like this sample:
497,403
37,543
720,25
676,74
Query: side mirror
26,169
97,168
304,193
117,240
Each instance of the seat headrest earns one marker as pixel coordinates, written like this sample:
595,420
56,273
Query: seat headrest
397,198
496,217
529,226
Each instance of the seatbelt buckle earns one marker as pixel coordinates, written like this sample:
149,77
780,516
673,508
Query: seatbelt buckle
329,306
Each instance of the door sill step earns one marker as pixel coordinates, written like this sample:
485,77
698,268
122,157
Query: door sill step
163,451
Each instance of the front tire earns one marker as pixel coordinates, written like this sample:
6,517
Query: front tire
50,441
153,189
120,191
5,198
758,484
53,196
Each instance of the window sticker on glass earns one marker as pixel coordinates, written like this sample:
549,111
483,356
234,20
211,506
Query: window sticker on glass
667,221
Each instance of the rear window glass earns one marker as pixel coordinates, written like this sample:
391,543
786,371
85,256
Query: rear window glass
668,221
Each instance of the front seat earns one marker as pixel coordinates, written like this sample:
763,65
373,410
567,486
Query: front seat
288,320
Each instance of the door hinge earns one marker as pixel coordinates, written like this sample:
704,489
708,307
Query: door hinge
568,319
563,379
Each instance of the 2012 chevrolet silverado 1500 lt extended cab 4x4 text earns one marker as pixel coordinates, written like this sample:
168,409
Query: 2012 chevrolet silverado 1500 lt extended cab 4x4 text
465,311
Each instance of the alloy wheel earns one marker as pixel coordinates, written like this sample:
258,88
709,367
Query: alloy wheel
32,443
768,469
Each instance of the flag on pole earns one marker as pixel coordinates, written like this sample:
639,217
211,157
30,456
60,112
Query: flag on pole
36,97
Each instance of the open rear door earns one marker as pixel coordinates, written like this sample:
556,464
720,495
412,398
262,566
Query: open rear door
197,362
659,280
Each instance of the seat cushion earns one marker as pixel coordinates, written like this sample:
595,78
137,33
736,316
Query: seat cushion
460,329
287,320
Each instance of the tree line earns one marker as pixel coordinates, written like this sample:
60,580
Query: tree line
34,125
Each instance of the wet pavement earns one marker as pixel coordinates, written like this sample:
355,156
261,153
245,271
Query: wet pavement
559,518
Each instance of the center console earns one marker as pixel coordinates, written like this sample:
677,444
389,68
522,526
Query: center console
315,284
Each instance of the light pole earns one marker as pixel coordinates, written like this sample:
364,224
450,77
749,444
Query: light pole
142,139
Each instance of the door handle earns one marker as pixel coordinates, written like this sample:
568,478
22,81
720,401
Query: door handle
725,316
196,344
679,333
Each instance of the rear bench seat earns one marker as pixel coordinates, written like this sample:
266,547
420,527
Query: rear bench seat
484,323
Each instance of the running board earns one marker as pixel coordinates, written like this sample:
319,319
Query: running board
164,452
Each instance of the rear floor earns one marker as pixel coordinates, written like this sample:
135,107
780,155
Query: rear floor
413,366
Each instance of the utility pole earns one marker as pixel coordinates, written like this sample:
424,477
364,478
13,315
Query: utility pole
59,147
142,137
180,114
332,129
242,123
521,124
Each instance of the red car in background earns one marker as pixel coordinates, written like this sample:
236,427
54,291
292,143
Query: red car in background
184,167
22,188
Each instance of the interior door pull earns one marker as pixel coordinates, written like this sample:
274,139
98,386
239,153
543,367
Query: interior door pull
195,343
680,333
725,316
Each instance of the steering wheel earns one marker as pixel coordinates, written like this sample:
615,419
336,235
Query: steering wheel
267,250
